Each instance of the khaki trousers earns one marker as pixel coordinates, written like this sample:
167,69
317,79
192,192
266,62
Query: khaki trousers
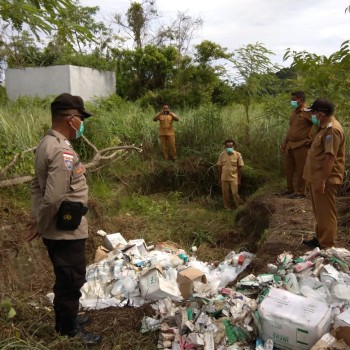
325,214
295,163
228,187
166,140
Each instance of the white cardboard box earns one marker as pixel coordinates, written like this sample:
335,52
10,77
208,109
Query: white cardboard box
154,286
293,321
112,240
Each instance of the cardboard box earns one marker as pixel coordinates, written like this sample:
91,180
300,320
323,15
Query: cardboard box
185,280
342,326
113,240
140,244
154,286
293,321
101,253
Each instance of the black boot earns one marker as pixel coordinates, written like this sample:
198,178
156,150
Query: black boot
71,328
312,243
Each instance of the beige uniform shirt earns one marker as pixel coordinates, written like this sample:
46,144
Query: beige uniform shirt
166,123
329,140
59,176
300,129
230,164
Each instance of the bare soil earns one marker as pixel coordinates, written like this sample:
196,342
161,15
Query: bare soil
268,226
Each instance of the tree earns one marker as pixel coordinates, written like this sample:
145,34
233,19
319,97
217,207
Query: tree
144,69
137,21
40,15
179,33
324,76
252,76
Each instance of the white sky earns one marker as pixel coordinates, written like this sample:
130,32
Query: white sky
317,26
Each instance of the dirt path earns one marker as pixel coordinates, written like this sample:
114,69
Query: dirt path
291,221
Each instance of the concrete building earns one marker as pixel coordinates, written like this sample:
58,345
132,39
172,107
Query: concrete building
43,81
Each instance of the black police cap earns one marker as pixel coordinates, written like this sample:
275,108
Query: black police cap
322,105
67,101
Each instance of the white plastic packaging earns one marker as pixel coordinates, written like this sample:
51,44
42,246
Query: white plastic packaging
292,284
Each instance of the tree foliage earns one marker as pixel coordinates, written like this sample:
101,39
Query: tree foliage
253,75
42,15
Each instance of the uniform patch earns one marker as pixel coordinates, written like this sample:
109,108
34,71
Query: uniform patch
68,160
80,169
328,138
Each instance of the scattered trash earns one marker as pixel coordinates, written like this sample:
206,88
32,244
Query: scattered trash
299,303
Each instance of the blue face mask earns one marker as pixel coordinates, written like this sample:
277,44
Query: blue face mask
315,120
229,150
294,104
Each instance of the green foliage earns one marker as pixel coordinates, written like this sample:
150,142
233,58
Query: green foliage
324,77
253,76
3,96
43,15
7,310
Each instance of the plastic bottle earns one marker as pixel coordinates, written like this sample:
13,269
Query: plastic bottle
259,345
341,290
308,292
292,284
268,344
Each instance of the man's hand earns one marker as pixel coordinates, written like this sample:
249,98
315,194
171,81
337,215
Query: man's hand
320,186
283,149
32,232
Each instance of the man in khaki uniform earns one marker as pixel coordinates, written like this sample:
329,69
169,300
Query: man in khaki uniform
229,167
166,131
59,203
296,145
324,171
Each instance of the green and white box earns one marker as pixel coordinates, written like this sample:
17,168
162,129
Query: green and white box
293,322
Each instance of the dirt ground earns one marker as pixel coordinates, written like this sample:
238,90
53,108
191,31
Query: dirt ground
285,223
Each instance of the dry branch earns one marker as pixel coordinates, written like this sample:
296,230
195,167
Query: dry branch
100,156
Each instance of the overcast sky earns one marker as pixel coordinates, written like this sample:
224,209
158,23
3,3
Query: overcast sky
317,26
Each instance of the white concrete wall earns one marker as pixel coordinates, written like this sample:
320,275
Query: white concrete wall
89,83
53,80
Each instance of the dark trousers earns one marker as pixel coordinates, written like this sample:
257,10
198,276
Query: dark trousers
69,263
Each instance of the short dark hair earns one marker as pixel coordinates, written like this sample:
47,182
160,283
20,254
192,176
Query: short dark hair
58,113
299,94
230,141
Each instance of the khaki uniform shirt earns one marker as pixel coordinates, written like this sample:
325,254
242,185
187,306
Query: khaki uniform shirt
329,140
59,176
300,129
166,123
230,164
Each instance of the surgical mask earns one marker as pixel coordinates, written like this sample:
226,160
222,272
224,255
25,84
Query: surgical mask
80,132
229,150
294,104
315,120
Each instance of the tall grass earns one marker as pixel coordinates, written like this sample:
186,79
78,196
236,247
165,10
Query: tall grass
199,133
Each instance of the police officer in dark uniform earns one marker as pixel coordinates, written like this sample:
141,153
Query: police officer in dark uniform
59,203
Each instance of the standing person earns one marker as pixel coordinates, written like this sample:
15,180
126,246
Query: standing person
229,168
324,171
59,203
296,145
166,131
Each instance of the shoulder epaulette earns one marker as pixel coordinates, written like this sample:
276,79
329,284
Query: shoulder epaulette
329,125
